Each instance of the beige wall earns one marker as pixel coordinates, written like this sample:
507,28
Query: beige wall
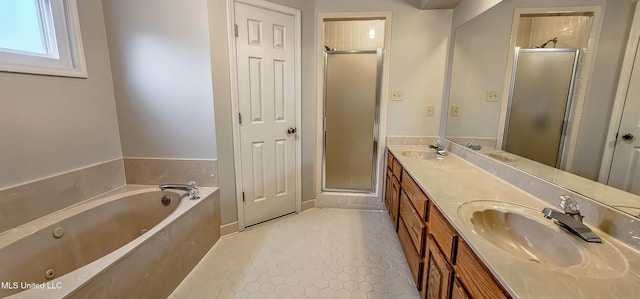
54,124
162,77
418,53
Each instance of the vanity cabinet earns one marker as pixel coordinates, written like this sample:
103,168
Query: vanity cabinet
467,276
441,263
392,189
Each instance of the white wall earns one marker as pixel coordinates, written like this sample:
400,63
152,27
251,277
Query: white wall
418,53
469,9
54,124
162,77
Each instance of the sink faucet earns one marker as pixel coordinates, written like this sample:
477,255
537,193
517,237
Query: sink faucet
192,188
571,219
472,145
439,147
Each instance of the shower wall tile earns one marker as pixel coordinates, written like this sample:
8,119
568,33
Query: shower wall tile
151,171
24,203
354,35
349,201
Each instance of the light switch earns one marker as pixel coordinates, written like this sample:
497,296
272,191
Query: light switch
455,110
397,95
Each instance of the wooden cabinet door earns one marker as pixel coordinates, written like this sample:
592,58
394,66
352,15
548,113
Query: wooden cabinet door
458,291
477,280
439,273
388,191
395,201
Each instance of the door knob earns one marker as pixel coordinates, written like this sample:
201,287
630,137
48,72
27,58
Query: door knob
627,136
291,131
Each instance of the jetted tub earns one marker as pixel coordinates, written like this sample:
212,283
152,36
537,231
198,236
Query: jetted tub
136,241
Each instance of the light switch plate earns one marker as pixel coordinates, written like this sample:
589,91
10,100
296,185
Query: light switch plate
430,110
455,110
397,95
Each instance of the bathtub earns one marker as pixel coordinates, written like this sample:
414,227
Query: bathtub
125,244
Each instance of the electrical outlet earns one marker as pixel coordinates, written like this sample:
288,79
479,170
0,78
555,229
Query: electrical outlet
492,96
455,110
430,110
397,95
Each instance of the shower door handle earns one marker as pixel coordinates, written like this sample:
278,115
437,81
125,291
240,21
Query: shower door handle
291,131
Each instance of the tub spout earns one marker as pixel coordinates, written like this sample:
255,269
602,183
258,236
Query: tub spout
192,188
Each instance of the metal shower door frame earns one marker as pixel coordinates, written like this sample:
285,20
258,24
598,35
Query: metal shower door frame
376,123
567,112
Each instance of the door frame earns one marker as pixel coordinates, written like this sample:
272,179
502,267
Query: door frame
621,96
384,99
235,109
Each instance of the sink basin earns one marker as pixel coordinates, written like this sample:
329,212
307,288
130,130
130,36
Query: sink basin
504,157
523,233
526,238
422,154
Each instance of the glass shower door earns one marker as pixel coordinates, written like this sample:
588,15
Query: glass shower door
540,101
351,105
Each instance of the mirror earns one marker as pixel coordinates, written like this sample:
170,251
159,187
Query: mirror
484,86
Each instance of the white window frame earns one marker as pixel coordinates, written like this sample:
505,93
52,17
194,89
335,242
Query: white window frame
63,42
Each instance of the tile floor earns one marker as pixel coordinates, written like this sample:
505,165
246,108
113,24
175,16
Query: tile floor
319,253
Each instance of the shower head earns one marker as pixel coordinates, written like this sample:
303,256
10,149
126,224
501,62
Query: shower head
554,40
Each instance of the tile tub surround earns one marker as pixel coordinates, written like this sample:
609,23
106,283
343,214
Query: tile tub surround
319,253
24,203
153,171
152,265
452,181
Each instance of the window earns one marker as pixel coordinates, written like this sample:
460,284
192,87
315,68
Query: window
41,37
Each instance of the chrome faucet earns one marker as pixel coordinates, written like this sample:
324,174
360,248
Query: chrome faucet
439,147
192,188
472,145
571,219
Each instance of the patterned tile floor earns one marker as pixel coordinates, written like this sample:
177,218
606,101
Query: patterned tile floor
319,253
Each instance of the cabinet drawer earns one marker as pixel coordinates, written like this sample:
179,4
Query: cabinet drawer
414,261
397,169
439,274
415,194
414,223
389,160
471,272
443,233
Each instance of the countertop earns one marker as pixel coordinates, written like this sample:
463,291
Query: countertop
452,181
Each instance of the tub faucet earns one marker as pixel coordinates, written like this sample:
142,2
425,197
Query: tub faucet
439,147
571,219
192,188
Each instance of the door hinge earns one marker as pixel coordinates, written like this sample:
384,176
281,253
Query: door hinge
240,118
242,196
235,29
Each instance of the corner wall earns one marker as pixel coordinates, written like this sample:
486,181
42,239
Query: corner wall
162,78
52,125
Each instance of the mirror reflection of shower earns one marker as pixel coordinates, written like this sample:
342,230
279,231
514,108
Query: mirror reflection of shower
352,85
543,109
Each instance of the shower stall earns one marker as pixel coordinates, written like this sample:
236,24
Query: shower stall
542,86
352,81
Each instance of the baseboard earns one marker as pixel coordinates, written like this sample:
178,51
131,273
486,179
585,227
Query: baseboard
309,204
229,229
